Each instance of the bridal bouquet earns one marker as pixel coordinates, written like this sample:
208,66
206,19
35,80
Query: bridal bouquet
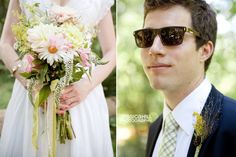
54,47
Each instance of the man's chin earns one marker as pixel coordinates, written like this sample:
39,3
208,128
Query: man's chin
156,86
158,82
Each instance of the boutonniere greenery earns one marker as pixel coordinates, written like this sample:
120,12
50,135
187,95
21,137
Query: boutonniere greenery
200,132
208,121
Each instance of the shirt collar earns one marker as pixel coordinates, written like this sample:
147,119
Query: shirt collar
194,102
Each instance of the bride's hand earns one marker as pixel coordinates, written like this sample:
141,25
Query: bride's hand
74,94
21,79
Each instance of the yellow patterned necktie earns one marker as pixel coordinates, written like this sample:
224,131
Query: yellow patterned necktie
168,142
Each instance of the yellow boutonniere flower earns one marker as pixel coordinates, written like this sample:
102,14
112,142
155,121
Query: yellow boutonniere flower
199,125
200,132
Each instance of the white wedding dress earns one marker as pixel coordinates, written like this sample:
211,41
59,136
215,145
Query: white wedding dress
90,119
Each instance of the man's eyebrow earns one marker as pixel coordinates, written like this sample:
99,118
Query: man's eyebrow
151,27
148,28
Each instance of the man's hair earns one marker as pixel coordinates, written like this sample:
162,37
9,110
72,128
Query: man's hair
202,15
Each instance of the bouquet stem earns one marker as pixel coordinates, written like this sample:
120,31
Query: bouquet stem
65,128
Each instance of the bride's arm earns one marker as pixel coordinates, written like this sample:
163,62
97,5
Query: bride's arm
107,41
7,53
78,91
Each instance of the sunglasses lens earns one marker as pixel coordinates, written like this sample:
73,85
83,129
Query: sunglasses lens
172,36
144,38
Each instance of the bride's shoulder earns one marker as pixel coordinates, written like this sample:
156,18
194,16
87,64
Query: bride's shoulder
92,11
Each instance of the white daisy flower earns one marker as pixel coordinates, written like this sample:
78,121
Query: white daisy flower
48,43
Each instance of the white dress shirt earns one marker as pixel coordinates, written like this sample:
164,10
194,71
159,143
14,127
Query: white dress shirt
183,114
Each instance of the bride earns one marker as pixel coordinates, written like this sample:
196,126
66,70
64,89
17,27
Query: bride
84,99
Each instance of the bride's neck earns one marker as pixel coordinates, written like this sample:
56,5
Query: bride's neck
60,2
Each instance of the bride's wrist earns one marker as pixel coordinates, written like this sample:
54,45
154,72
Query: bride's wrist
89,84
15,68
15,72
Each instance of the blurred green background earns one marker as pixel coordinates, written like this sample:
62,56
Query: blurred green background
136,100
6,81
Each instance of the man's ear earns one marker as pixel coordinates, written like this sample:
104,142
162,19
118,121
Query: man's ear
205,51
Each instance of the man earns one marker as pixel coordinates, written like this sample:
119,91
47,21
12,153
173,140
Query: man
177,44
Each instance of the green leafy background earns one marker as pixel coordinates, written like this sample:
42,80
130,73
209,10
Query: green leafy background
136,98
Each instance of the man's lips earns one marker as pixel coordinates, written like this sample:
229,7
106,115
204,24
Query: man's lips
158,66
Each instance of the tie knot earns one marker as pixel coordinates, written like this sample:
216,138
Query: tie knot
170,123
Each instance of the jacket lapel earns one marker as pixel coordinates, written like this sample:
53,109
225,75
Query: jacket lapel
211,113
154,131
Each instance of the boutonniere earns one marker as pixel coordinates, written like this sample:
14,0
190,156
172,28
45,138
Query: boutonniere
200,132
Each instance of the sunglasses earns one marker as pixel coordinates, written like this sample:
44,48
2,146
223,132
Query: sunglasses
170,36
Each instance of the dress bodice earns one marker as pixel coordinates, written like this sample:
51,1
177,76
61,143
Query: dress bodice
90,11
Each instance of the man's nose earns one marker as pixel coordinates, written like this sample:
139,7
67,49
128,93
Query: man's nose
157,47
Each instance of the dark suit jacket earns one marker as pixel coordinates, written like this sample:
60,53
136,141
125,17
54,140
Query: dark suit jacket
219,112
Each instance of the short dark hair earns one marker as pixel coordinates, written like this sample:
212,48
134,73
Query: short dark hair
202,15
